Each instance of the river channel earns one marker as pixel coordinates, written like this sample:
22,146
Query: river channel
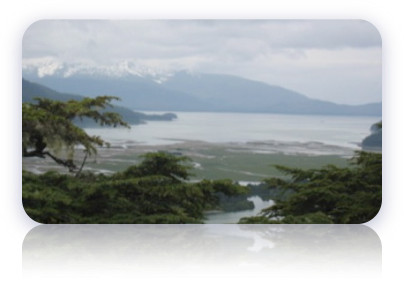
234,217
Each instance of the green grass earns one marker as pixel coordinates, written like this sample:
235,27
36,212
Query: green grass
217,162
247,166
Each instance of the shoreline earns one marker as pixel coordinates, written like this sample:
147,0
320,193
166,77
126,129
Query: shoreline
291,147
242,162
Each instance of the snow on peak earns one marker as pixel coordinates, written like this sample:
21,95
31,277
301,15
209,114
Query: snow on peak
49,66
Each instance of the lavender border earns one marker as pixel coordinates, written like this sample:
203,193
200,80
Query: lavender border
19,223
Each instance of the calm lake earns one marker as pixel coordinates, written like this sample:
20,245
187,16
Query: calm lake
341,131
329,134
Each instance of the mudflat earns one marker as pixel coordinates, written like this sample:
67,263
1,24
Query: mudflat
251,161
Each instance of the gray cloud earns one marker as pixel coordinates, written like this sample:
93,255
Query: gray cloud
304,55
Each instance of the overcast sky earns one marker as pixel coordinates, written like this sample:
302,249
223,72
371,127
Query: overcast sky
338,61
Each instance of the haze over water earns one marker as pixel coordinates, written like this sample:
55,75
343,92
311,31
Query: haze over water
341,131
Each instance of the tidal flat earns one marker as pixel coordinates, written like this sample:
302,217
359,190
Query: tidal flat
250,162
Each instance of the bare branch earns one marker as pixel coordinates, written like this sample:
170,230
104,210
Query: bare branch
82,164
67,163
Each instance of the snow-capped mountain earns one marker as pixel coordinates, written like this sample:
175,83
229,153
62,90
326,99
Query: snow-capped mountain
124,69
145,88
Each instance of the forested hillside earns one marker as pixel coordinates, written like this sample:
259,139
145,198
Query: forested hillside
31,90
374,140
186,91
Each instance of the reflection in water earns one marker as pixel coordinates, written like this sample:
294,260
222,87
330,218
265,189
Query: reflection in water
234,217
182,250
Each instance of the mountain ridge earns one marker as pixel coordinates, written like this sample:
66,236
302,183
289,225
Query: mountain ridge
32,90
188,91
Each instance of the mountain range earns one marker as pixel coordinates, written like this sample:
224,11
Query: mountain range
145,89
32,90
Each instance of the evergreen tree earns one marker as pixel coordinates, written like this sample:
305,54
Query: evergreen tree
329,195
155,191
47,127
